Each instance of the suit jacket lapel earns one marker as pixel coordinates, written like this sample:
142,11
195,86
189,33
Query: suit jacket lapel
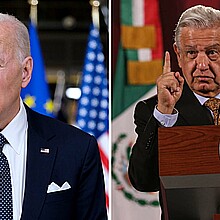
38,171
193,114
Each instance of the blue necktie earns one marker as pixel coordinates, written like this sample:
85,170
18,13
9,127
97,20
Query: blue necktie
6,205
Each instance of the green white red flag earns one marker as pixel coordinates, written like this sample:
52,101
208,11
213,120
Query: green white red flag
139,63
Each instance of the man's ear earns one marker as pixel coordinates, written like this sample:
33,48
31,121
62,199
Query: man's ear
27,67
177,54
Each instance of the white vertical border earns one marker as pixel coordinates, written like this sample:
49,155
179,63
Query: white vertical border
110,106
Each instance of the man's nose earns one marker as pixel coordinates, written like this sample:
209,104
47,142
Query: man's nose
202,62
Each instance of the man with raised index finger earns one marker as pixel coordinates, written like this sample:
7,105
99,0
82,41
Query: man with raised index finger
182,99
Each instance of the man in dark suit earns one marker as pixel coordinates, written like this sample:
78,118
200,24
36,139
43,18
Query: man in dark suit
180,98
55,168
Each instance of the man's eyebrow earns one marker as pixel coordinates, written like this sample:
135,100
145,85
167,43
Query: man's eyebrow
212,46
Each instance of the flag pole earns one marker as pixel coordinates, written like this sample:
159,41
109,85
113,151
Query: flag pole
95,12
33,11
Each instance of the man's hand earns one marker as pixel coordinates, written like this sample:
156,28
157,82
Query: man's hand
169,87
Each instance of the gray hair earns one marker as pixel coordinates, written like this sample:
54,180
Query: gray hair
197,16
21,35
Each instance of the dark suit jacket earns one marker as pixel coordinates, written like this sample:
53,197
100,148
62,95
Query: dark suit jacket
73,157
143,164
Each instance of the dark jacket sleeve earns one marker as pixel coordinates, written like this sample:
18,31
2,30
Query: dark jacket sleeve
143,163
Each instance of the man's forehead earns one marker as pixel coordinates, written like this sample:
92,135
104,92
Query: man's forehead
207,46
7,47
6,43
204,37
191,32
7,35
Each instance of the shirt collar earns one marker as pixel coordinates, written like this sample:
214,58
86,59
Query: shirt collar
14,132
202,99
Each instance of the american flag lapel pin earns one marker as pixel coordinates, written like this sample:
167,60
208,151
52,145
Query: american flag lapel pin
45,150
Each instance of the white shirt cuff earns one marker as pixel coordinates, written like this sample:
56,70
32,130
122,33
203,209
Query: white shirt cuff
166,120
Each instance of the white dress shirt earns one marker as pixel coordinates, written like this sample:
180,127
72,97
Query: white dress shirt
16,152
168,120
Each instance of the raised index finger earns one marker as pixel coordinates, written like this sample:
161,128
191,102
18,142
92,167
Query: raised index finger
166,67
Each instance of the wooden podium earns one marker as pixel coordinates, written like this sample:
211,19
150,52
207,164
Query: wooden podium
189,168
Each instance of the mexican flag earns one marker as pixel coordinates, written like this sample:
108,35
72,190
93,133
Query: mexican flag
139,63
